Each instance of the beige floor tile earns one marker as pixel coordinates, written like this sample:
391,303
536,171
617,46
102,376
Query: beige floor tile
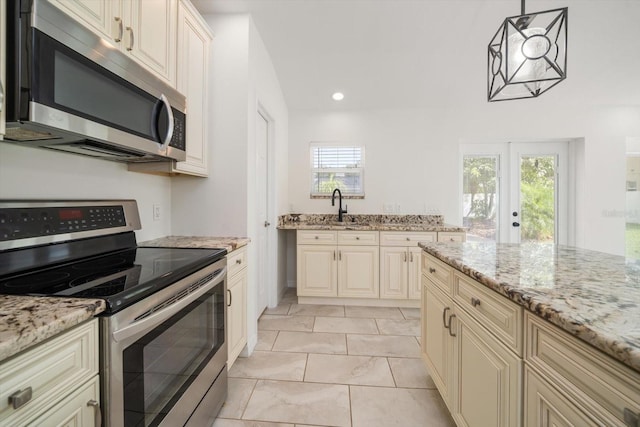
286,323
311,342
283,308
345,325
270,365
384,407
398,327
221,422
374,312
290,296
410,373
316,310
410,313
359,370
301,403
238,394
382,345
266,340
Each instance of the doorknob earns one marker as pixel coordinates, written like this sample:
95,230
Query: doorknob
516,224
267,223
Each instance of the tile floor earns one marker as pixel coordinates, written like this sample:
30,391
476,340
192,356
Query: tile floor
318,365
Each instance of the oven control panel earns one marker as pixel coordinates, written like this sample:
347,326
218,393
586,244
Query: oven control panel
28,222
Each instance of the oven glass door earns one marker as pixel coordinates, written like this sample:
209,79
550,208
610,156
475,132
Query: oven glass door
161,365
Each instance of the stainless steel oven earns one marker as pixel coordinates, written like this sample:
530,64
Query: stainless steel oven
163,344
164,358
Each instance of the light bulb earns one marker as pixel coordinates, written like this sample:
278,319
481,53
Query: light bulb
338,96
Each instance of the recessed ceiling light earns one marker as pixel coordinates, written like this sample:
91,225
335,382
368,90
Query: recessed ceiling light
338,96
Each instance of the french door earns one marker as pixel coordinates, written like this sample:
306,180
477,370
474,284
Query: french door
516,192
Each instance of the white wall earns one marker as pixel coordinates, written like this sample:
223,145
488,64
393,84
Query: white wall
242,77
29,173
412,154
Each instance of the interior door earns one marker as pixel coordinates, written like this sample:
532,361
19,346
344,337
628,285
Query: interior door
539,192
262,205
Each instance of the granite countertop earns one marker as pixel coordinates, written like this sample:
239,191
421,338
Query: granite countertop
592,295
228,243
25,320
366,223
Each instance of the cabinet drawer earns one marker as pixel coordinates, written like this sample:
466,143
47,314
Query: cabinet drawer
398,238
358,238
447,236
581,372
236,261
495,312
438,272
317,237
52,370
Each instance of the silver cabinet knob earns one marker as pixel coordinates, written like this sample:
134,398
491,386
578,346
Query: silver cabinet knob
432,270
21,397
475,301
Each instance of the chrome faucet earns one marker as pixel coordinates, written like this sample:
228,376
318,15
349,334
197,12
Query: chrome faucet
333,203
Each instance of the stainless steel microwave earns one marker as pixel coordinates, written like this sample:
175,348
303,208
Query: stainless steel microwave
69,90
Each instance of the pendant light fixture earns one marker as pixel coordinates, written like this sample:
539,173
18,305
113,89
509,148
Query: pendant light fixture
527,55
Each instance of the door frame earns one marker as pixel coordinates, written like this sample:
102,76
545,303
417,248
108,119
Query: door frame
502,151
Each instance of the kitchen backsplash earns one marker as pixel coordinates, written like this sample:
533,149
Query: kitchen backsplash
320,219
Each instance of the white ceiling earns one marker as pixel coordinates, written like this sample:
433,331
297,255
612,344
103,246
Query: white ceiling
379,53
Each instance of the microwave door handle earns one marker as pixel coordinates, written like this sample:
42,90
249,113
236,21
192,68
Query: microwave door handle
167,138
160,316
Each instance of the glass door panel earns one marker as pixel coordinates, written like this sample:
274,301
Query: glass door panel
480,197
537,198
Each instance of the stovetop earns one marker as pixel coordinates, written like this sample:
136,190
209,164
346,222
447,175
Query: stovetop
120,278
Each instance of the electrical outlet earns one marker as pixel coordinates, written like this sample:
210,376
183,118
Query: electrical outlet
156,212
387,207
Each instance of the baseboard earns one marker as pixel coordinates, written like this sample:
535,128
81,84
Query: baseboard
405,303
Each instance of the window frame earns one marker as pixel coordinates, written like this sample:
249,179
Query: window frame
313,170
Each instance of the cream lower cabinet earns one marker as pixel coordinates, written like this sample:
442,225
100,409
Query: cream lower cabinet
479,377
236,303
400,263
338,264
53,383
569,383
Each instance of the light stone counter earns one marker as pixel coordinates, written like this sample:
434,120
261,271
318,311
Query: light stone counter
228,243
366,223
26,320
592,295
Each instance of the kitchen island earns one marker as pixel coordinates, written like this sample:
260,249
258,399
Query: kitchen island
541,332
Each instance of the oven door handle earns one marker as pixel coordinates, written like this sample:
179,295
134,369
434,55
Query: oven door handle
148,323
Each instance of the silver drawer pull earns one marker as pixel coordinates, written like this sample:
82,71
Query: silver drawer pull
432,270
357,237
317,237
238,261
408,239
230,297
21,397
631,419
98,413
444,317
475,301
453,316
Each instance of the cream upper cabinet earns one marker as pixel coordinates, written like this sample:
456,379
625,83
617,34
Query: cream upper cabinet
3,64
144,29
194,40
236,303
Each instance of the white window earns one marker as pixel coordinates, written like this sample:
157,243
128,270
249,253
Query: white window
335,165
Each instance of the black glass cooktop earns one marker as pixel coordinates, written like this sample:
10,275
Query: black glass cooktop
121,278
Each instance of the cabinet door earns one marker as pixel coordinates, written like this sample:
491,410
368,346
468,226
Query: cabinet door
236,315
358,271
393,272
414,272
487,377
150,35
545,407
80,408
317,271
437,343
100,16
193,50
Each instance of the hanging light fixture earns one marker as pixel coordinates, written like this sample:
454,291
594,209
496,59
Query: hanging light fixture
528,55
